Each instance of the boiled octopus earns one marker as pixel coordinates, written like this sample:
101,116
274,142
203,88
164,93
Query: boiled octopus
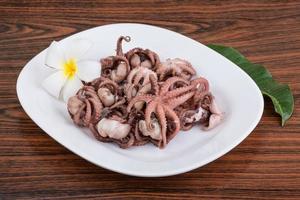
139,57
138,99
175,67
162,105
85,107
116,67
113,129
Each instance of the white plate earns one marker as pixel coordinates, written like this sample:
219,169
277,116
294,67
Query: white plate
236,93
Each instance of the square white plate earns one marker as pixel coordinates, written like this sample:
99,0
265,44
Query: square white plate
235,92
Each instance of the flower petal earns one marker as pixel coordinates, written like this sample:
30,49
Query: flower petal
54,56
88,70
54,83
71,87
76,48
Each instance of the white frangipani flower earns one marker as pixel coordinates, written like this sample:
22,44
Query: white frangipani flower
69,68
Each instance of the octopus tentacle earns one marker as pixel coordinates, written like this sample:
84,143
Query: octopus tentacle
115,67
201,81
107,62
91,94
148,112
190,70
77,116
124,59
183,116
130,91
140,138
186,66
97,109
138,78
175,67
178,91
173,103
139,57
85,107
118,118
129,143
153,57
216,115
119,44
163,123
154,84
171,114
146,98
100,82
146,79
118,103
198,99
106,81
132,74
124,143
171,81
185,76
144,89
133,51
88,113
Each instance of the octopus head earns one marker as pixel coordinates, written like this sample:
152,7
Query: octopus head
74,105
113,128
154,133
120,73
106,96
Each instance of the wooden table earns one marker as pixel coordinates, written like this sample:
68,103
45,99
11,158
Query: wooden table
264,166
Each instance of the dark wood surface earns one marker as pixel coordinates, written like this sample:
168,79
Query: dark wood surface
264,166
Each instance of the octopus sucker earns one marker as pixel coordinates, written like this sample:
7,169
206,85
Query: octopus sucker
139,99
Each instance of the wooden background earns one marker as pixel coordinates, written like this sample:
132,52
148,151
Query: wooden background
264,166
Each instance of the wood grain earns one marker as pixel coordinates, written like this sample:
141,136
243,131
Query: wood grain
264,166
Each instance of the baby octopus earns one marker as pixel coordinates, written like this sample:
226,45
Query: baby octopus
162,104
139,57
116,67
113,129
106,90
85,107
175,67
138,99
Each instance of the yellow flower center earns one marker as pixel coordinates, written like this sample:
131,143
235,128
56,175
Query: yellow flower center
70,68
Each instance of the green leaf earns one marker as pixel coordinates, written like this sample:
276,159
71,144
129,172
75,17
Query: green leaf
280,94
